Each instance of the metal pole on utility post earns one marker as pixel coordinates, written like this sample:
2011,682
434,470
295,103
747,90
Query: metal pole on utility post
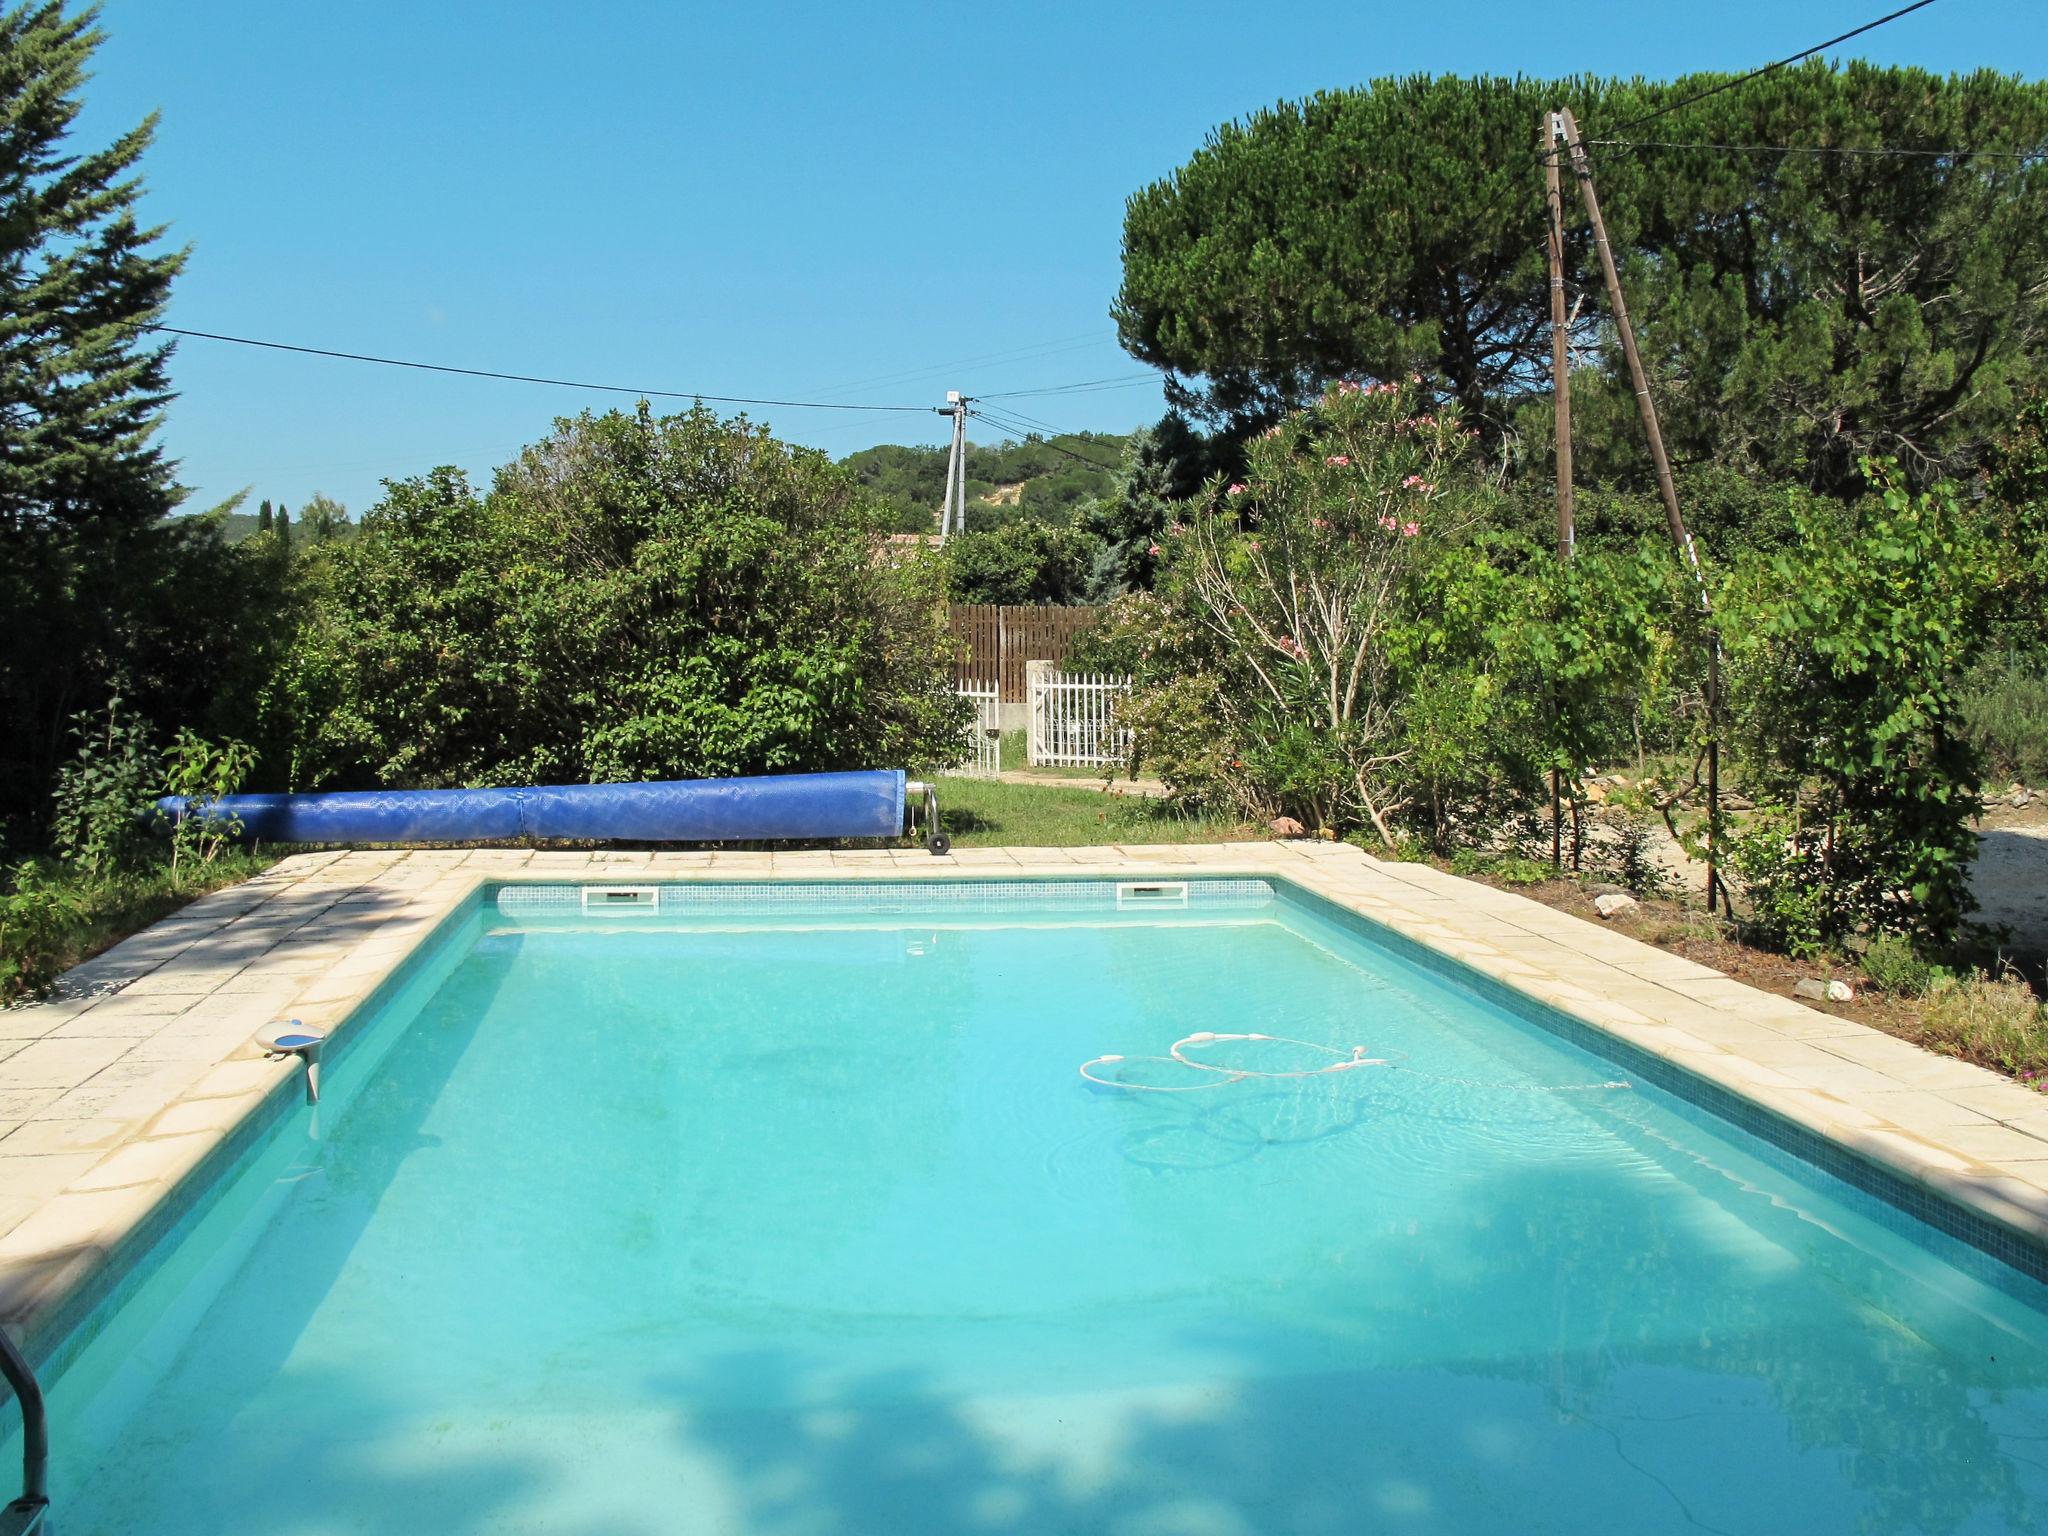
1680,536
952,463
1561,394
957,490
960,479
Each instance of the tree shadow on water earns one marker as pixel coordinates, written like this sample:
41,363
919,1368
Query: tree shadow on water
1657,1387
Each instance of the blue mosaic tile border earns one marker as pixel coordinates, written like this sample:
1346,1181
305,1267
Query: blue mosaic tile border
1954,1231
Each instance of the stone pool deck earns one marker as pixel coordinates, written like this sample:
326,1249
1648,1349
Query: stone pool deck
126,1082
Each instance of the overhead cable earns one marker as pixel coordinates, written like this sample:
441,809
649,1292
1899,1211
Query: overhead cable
527,378
1791,58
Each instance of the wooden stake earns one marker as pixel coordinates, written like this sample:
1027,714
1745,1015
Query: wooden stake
1560,335
1561,394
1680,536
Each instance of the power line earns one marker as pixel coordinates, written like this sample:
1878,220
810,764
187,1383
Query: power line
1872,151
1032,423
1065,344
1079,458
527,378
1794,58
1023,426
1085,386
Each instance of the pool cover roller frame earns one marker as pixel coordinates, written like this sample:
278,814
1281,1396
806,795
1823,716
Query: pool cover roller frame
776,808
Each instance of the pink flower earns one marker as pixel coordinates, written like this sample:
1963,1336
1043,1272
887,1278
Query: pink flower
1414,378
1411,482
1409,530
1175,530
1388,522
1347,387
1338,460
1154,549
1235,490
1271,432
1320,522
1255,546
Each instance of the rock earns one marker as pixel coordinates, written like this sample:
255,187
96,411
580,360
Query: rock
1287,826
1824,991
2019,800
1607,888
1735,802
1614,904
1595,791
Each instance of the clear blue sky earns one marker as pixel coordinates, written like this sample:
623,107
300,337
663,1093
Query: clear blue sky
769,200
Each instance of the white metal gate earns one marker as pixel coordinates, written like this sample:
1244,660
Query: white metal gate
1072,718
984,759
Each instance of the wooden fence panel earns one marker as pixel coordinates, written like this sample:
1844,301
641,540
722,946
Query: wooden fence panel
978,626
1001,640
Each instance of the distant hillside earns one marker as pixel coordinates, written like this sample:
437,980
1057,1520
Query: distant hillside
1031,481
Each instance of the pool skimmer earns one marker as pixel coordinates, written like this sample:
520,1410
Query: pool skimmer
292,1038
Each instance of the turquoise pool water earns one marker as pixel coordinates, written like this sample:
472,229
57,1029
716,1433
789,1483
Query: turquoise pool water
802,1222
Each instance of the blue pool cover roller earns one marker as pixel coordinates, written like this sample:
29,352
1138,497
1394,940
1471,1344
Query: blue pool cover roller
769,809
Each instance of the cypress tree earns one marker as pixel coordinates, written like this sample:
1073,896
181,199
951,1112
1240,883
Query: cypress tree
84,489
263,518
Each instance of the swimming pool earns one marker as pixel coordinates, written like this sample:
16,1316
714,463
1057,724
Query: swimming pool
779,1209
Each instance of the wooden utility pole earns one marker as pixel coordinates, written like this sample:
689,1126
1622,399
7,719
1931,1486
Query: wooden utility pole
1680,536
1561,394
1560,335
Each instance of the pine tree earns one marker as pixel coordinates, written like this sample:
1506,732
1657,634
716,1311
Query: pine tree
1164,464
1798,310
82,385
84,489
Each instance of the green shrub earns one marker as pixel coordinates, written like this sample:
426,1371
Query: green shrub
638,597
2004,702
1020,562
1893,965
1508,868
104,791
1843,656
1626,855
52,917
201,773
1997,1022
1792,906
40,916
1291,594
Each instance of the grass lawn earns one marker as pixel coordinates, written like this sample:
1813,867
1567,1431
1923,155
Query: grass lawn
985,813
1016,756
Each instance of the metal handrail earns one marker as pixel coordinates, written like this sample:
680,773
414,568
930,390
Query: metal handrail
26,1512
